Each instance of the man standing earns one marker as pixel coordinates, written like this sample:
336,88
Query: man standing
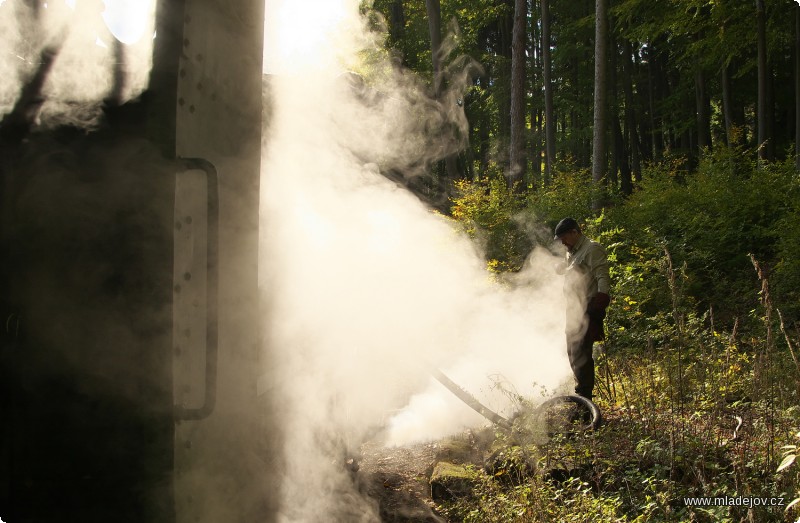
586,285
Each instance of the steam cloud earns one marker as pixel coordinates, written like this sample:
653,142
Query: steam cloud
100,53
367,289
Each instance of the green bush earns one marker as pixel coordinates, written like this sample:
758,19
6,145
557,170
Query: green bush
712,220
490,212
698,382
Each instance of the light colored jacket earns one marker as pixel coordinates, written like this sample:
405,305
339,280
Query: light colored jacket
588,260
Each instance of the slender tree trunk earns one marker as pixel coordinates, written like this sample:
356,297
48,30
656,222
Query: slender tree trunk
703,110
517,157
657,83
727,105
484,150
435,28
549,119
771,138
536,108
630,114
397,22
642,116
505,24
797,88
536,146
763,121
617,155
600,90
625,180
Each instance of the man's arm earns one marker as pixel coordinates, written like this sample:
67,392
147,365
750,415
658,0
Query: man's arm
598,263
597,260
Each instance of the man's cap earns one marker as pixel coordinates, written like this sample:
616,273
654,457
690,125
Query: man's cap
565,225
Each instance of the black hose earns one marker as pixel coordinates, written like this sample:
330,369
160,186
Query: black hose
470,400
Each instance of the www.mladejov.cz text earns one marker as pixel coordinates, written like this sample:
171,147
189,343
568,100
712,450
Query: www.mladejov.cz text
733,501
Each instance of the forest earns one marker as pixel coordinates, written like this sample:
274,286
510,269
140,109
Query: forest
669,131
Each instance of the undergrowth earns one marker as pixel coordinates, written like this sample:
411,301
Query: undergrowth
696,412
699,380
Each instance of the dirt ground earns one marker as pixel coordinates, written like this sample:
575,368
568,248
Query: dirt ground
398,479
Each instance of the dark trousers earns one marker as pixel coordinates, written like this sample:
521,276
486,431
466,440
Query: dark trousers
582,363
580,355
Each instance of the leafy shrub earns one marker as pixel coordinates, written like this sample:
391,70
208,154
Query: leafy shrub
489,211
712,220
697,386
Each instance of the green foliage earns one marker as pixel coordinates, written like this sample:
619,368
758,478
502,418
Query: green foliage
712,220
489,211
571,193
697,390
789,457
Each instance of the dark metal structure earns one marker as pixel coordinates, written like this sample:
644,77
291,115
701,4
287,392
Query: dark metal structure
129,343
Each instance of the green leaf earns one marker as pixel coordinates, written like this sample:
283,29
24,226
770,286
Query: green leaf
787,461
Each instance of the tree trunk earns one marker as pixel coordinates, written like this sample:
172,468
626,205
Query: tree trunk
549,119
536,146
435,28
517,157
797,88
656,79
771,137
727,106
536,109
763,121
625,181
505,24
630,115
600,90
703,110
617,154
397,22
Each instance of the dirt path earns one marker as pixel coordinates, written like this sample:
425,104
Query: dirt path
397,478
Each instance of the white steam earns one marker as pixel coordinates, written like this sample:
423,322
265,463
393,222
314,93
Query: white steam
367,289
88,55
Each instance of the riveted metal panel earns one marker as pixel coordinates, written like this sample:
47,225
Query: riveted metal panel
219,471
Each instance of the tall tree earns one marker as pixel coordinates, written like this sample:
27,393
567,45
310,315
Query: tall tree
727,104
549,117
517,156
435,28
434,11
397,22
631,133
763,120
797,88
703,109
536,107
599,145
